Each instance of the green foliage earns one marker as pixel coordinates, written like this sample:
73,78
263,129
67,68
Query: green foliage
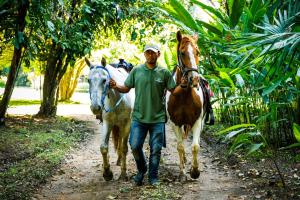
296,129
31,150
242,136
235,127
249,54
235,11
159,193
23,102
2,83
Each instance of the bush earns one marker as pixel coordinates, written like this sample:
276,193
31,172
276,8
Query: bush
2,83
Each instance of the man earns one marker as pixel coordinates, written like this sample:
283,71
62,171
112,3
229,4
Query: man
150,82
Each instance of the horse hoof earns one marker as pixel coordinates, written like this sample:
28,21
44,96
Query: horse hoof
195,173
182,178
123,177
107,175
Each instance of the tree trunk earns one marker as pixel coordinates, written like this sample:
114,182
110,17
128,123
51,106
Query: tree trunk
15,63
53,74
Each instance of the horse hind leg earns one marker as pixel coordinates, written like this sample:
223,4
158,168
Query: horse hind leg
124,134
124,150
117,141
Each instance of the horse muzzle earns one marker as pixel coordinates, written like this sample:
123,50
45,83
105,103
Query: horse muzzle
96,109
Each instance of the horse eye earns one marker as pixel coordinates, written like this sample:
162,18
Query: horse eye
182,53
103,81
89,81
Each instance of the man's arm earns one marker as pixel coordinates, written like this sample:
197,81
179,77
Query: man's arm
120,88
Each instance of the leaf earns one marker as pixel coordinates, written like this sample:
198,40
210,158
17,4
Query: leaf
226,79
133,35
236,9
256,4
50,25
295,145
210,9
271,87
255,147
184,15
296,130
235,127
27,19
233,133
239,80
259,14
209,27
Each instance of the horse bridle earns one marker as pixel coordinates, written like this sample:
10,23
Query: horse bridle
184,69
104,92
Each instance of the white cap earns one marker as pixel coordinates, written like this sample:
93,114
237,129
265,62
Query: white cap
152,47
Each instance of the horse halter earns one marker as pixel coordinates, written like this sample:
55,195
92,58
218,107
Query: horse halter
183,68
106,88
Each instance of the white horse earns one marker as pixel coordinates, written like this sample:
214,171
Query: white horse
115,109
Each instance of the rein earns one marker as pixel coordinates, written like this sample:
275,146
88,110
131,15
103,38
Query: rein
104,92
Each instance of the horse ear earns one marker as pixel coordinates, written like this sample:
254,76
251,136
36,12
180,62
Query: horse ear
179,36
87,62
103,62
196,37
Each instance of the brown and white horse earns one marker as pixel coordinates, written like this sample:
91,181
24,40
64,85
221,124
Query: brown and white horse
186,110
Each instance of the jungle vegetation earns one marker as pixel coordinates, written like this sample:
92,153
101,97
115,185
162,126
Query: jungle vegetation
249,54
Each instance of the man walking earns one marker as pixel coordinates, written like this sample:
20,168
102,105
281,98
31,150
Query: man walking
149,113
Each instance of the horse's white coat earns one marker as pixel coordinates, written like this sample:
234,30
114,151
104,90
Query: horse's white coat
120,116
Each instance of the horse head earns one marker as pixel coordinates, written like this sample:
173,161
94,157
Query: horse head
188,59
98,80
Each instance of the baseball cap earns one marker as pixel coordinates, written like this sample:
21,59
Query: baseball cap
152,47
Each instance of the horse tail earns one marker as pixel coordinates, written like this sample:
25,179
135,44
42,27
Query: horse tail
115,136
186,129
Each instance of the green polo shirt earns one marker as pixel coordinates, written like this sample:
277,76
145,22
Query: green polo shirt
149,84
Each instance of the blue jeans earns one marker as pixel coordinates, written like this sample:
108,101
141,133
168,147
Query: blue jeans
138,133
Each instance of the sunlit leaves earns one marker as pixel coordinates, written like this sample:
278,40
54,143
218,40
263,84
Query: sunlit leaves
296,130
50,25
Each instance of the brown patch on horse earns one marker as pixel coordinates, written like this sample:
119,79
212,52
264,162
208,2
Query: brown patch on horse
185,108
115,137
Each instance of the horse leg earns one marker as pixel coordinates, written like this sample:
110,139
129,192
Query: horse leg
124,150
181,152
119,147
197,128
104,138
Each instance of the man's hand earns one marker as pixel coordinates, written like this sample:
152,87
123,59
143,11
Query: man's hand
183,82
120,88
112,83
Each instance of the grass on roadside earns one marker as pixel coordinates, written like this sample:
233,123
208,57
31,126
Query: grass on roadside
26,102
31,149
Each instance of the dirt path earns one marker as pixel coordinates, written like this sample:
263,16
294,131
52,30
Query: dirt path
80,176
